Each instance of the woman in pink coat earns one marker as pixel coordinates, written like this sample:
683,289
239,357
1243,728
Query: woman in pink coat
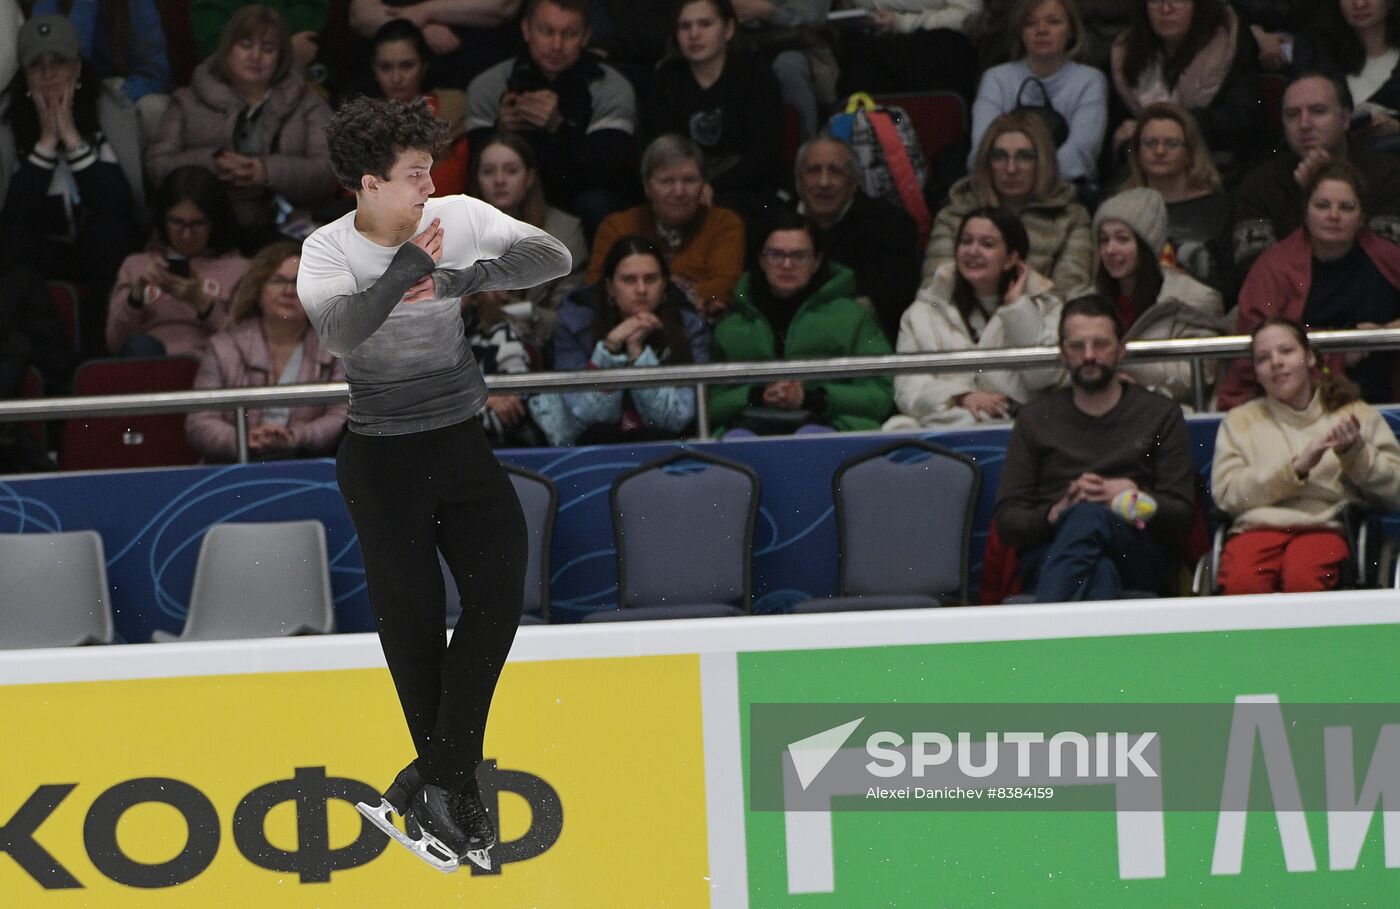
250,117
267,343
171,297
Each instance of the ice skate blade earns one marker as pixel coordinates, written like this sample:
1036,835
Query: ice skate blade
423,849
481,858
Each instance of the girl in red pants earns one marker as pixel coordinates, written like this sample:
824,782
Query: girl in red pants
1288,463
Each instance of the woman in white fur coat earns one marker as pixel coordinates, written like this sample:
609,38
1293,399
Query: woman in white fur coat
986,298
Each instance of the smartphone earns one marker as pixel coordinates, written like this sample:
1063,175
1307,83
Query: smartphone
179,266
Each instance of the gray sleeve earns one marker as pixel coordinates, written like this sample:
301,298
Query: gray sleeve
530,260
343,322
484,97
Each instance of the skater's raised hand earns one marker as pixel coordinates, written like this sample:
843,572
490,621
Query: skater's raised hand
430,240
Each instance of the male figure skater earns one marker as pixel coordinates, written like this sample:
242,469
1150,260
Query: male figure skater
382,287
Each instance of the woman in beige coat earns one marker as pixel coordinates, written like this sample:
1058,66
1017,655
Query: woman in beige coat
1015,169
987,298
1154,299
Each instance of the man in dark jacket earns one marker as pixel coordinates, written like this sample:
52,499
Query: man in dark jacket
873,238
579,115
1072,453
1269,203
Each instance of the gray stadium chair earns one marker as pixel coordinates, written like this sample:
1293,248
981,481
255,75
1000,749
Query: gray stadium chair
904,527
259,581
53,590
684,532
540,501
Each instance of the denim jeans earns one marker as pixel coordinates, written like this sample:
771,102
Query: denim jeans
1095,555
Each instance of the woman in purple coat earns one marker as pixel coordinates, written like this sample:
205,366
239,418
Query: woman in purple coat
250,117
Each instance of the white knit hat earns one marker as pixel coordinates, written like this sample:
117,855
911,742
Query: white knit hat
1142,210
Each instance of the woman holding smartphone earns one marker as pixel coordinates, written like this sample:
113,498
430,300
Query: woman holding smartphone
172,297
986,298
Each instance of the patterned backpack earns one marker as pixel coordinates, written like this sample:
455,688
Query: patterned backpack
890,156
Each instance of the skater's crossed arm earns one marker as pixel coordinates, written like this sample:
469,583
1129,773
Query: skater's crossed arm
344,320
514,256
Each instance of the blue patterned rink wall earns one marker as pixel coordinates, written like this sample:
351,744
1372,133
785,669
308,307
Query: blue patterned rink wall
152,521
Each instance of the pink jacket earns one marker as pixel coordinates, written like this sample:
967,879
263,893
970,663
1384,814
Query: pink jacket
239,358
173,322
1277,286
200,122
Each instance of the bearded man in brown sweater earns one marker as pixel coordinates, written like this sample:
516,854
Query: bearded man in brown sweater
1073,452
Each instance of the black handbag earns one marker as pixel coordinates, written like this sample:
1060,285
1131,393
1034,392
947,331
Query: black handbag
1054,121
772,421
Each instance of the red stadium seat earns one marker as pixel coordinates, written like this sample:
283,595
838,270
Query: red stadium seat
179,40
1271,86
65,299
792,135
33,387
154,440
939,118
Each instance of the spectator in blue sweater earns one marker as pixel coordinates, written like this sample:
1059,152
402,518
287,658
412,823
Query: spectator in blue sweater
1045,37
634,316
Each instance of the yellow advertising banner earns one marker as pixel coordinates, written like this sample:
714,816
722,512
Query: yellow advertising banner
238,790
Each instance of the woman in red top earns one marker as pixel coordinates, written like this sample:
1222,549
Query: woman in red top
1333,272
400,63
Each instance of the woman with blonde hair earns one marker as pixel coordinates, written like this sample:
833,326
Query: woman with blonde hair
267,343
1198,54
250,116
1169,154
1015,169
1046,37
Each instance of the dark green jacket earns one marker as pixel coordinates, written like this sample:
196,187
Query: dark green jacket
830,323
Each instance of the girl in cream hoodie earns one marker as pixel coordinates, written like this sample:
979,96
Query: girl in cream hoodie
1287,463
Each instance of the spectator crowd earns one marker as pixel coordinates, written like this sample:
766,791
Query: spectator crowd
1136,169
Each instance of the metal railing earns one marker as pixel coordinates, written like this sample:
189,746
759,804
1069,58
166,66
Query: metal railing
240,400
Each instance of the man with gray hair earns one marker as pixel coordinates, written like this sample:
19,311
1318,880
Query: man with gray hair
703,243
873,238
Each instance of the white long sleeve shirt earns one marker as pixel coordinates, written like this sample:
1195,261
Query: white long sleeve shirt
409,365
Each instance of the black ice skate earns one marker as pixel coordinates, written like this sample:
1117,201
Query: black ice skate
433,808
397,799
471,816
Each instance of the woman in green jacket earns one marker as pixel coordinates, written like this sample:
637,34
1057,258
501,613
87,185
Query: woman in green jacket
793,306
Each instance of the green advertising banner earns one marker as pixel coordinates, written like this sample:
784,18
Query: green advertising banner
983,857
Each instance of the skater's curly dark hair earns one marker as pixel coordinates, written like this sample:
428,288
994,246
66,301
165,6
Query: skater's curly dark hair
367,135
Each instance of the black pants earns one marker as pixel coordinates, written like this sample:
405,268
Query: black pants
409,496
